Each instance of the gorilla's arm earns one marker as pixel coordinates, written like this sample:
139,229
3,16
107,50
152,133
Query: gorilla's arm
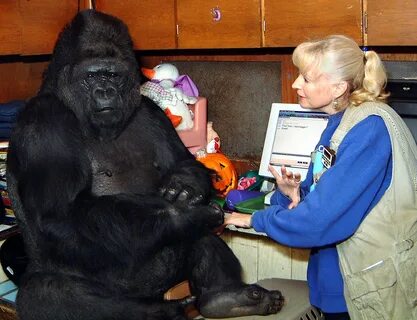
183,177
52,170
46,157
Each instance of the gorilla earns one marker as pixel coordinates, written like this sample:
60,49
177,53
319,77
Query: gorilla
113,208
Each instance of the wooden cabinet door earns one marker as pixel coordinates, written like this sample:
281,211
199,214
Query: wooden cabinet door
151,22
391,22
219,24
288,23
10,27
42,21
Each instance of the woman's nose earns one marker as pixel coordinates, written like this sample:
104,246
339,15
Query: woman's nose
297,82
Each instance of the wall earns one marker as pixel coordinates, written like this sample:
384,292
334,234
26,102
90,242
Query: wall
263,258
20,77
239,96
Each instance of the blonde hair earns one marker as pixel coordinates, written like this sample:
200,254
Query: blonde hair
341,58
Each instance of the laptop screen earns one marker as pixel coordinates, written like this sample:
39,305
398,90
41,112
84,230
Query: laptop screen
292,134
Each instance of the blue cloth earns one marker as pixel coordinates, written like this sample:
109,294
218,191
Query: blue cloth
9,110
8,116
334,210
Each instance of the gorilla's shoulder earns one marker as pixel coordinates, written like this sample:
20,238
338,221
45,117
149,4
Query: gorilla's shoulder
151,111
43,114
45,107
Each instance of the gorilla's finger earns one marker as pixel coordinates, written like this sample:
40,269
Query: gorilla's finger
215,205
162,191
196,200
217,215
183,195
171,194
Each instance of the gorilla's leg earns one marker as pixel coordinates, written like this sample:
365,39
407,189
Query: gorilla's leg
62,297
216,281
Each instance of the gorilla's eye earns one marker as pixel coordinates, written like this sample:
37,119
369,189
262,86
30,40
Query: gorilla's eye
90,74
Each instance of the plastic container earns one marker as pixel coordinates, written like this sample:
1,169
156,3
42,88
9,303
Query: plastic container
251,205
234,197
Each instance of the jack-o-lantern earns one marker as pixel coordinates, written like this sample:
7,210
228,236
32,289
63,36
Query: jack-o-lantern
225,176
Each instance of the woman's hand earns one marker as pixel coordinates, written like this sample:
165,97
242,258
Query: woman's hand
289,184
238,219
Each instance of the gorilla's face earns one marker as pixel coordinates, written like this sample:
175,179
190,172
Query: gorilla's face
100,92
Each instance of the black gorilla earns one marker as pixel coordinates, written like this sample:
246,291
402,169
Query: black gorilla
113,208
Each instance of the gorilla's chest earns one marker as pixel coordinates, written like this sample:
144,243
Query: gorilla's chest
120,167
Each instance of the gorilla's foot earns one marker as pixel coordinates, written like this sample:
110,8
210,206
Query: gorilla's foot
243,301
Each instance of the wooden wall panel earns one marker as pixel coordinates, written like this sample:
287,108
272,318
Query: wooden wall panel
42,21
238,24
10,27
245,248
290,22
20,80
263,258
274,260
151,23
391,22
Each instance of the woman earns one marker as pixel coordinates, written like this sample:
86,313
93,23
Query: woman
360,215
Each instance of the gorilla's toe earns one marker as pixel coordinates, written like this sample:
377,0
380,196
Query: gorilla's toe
278,301
187,301
269,302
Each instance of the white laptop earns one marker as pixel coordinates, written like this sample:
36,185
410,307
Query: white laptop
292,134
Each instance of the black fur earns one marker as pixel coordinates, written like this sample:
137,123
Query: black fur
114,209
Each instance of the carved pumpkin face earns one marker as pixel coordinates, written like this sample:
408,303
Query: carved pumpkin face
225,176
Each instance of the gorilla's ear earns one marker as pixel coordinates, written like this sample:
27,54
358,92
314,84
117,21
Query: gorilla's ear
63,88
53,82
64,76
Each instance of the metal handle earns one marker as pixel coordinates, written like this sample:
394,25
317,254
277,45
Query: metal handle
216,13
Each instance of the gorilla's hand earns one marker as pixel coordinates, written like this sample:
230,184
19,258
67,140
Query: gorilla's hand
215,215
189,185
209,216
175,191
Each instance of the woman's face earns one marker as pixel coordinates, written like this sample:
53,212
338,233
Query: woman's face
315,92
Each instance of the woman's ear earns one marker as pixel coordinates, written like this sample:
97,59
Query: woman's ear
340,89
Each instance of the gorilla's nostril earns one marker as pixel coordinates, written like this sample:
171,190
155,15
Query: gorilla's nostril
98,93
101,93
110,92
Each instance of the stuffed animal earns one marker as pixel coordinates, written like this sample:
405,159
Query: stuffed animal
213,139
171,92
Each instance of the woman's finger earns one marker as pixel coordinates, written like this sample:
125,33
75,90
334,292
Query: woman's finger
297,177
274,172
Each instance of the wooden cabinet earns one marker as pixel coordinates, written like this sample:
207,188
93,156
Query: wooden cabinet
288,23
183,24
263,258
219,24
392,22
42,21
151,23
32,27
10,27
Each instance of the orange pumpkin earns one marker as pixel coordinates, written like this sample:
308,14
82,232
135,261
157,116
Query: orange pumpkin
225,175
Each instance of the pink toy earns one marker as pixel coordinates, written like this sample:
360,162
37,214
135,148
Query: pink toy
195,138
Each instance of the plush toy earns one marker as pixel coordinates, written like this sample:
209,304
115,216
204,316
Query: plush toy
171,92
213,139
